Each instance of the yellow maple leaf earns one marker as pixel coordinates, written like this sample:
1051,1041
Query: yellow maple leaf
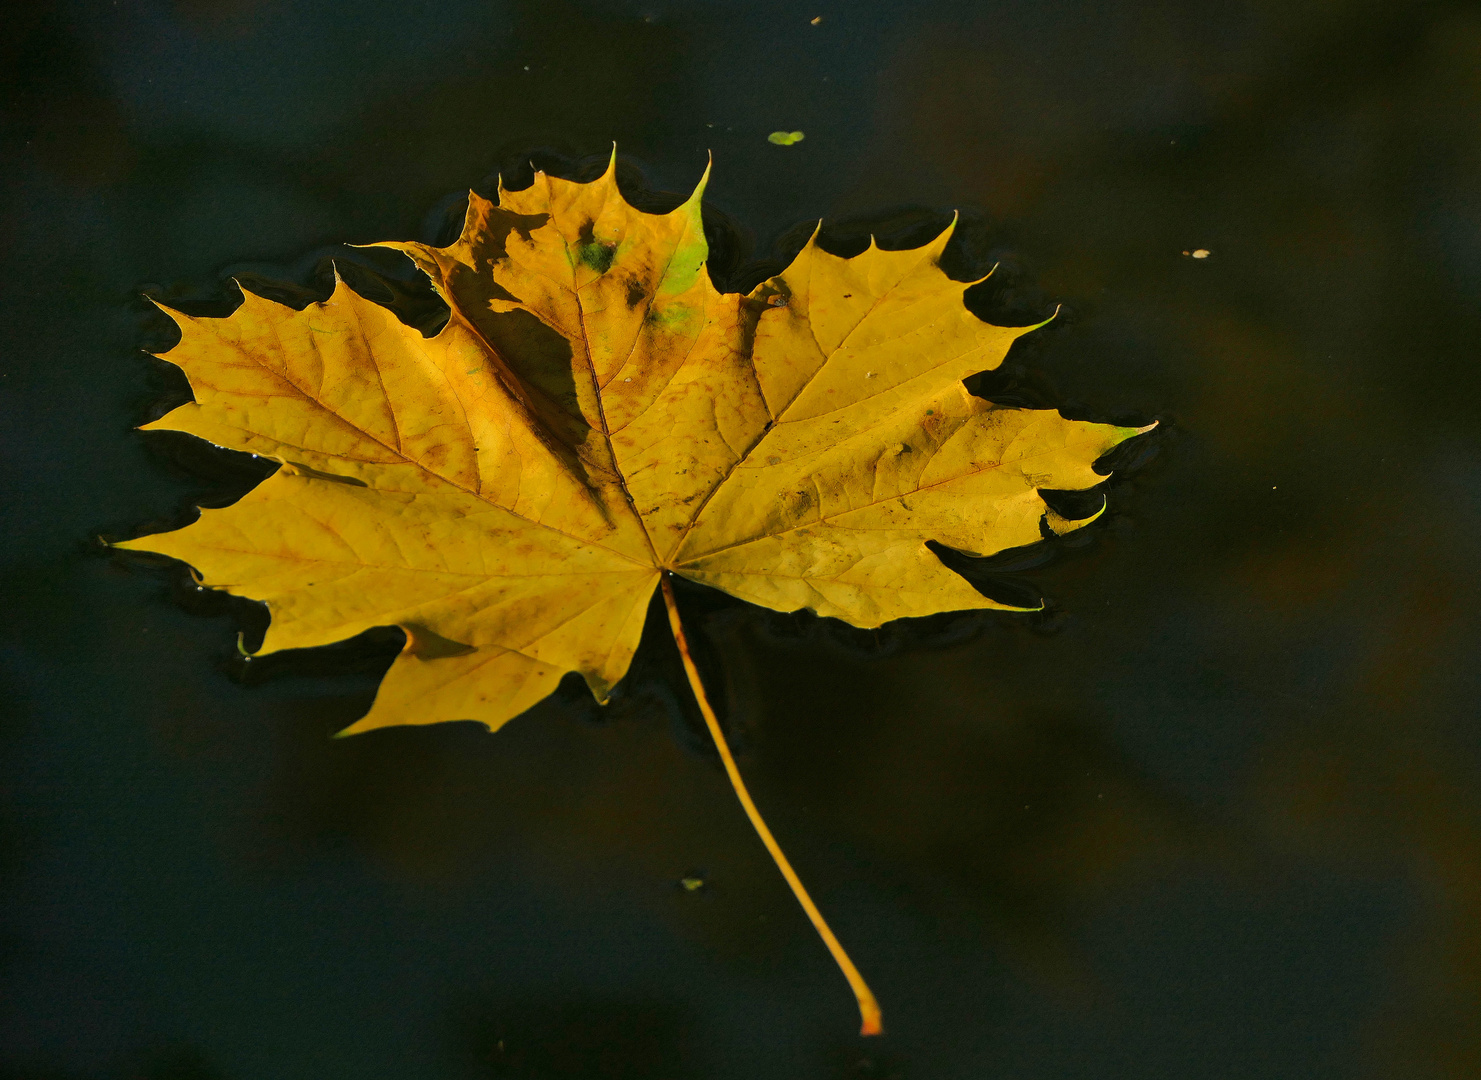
594,417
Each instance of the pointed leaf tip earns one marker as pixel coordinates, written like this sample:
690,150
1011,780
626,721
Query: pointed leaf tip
704,179
936,246
1038,325
993,270
1126,433
175,315
1060,525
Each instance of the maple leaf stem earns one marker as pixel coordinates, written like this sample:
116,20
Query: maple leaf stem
869,1014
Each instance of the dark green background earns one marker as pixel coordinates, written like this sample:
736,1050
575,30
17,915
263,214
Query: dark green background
1216,814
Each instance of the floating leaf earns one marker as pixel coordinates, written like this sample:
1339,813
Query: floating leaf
595,417
785,138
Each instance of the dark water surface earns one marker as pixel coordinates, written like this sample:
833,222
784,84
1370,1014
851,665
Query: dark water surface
1216,814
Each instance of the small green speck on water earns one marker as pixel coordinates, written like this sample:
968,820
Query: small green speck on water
785,138
691,883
